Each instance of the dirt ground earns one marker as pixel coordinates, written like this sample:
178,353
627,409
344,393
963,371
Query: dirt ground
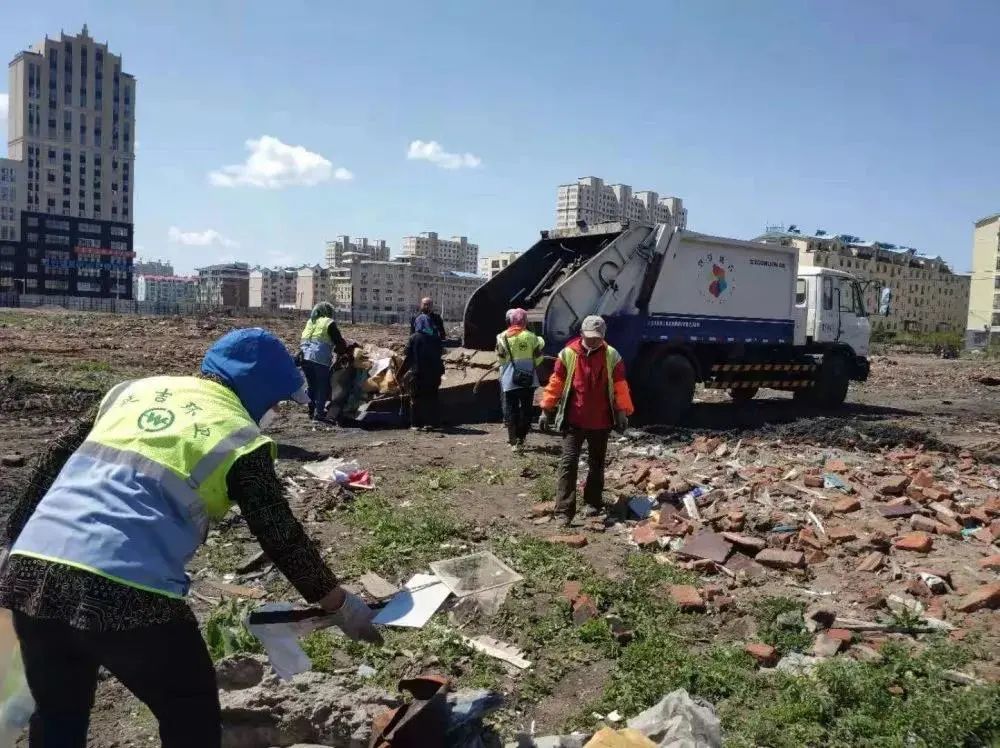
915,415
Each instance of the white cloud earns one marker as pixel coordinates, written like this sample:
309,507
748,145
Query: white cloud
431,150
273,165
206,238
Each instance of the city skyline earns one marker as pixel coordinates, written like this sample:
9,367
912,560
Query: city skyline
233,163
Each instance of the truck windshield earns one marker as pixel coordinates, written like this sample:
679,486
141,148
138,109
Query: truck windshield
828,294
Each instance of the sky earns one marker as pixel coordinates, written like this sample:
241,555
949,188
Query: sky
265,129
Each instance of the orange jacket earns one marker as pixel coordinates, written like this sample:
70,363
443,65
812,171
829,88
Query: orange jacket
587,390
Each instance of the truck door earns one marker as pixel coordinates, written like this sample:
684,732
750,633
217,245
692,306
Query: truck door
854,327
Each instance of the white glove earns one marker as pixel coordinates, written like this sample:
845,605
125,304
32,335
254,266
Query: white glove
544,421
354,618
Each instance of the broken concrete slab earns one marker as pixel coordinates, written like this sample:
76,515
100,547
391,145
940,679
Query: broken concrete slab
686,597
898,510
378,587
781,559
894,486
872,562
986,596
746,543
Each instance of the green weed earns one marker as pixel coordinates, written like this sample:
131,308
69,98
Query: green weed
225,633
780,624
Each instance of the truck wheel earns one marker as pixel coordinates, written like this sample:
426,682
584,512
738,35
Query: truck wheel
668,389
743,394
833,380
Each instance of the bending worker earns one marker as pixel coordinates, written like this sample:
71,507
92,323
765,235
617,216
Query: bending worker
519,352
585,398
114,511
321,338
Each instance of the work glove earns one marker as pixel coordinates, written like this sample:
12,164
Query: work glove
354,618
621,420
544,421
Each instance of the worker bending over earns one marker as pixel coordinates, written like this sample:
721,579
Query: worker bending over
321,338
585,398
519,352
112,514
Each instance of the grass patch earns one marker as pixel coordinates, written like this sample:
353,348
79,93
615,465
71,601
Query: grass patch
223,558
780,624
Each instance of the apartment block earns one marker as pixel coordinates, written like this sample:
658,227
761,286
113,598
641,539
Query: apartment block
391,291
369,249
166,289
926,295
152,267
226,284
273,288
493,264
983,322
70,128
592,201
313,285
442,254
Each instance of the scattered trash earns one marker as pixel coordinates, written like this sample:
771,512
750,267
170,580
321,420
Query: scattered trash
281,640
477,572
495,648
641,506
343,472
835,482
365,671
679,721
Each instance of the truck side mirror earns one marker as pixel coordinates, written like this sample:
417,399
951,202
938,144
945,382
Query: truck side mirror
885,301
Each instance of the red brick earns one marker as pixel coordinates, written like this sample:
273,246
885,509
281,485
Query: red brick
544,509
573,541
808,537
987,596
992,505
584,610
922,523
657,480
572,590
672,523
842,634
990,562
745,542
645,535
847,504
826,645
765,654
995,528
836,466
781,559
918,588
872,562
980,514
984,535
914,492
895,485
841,534
920,542
948,526
900,501
812,481
935,608
923,479
724,602
704,445
686,597
933,493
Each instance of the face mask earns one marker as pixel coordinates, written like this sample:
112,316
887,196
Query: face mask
267,419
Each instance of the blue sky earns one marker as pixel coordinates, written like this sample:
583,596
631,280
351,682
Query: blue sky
873,118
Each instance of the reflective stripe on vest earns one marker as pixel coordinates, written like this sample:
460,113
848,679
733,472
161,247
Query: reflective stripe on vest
133,503
569,358
520,355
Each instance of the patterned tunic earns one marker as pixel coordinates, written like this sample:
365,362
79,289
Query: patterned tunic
47,589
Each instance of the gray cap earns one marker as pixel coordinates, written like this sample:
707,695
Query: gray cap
593,327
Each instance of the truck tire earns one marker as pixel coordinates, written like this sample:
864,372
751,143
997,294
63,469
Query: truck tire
668,389
743,394
831,384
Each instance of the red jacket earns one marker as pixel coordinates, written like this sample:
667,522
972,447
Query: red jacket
588,406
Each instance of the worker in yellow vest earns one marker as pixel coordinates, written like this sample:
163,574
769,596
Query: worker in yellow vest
519,353
320,340
113,512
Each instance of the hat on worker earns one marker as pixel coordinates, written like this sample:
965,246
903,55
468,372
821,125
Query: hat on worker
593,327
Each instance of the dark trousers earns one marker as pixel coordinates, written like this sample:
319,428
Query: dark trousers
517,405
166,666
424,407
318,387
597,450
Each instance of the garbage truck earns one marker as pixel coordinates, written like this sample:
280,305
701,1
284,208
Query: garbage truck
682,308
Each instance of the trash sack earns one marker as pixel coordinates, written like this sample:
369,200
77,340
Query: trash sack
466,709
16,704
575,740
679,721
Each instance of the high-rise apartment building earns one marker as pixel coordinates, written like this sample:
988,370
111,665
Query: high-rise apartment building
12,194
71,124
375,249
166,289
226,284
592,201
443,254
983,323
926,295
493,264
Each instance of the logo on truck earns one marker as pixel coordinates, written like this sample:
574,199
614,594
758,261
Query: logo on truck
717,278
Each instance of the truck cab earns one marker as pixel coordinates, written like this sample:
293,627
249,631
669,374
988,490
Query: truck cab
830,310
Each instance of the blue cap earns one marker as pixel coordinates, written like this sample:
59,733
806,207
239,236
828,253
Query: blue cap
257,366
